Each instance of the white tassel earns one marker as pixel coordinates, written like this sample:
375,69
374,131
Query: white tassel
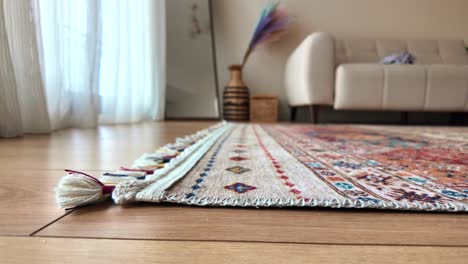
77,189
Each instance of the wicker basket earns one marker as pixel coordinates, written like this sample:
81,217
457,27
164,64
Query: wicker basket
263,108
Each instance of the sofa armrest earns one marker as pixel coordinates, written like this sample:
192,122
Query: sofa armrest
310,71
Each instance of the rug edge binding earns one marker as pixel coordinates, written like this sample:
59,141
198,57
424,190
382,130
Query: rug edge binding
333,203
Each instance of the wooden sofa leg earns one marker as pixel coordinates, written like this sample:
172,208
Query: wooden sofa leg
404,118
293,113
313,109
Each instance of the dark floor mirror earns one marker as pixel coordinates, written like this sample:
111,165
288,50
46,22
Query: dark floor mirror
191,61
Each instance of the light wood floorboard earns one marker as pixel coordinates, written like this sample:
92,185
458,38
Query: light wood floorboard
169,222
59,250
105,148
27,200
31,166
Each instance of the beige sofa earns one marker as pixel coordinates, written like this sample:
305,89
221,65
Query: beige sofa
346,74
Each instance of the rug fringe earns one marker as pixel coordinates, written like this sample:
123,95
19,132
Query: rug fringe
77,189
173,171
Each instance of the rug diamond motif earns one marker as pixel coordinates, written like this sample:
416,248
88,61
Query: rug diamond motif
238,158
240,187
238,169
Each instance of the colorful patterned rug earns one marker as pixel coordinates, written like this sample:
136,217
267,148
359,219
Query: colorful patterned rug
339,166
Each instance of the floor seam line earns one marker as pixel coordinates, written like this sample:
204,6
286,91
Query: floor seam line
251,241
51,223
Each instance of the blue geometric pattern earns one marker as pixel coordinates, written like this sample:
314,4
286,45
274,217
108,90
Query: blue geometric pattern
240,187
206,170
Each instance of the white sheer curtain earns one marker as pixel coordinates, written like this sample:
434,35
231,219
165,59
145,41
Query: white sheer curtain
23,107
68,33
132,75
77,63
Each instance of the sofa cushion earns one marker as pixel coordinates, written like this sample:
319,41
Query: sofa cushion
402,87
447,88
356,86
425,51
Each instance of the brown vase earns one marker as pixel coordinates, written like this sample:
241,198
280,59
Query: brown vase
236,97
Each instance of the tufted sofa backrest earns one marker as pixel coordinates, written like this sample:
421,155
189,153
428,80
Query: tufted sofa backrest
425,51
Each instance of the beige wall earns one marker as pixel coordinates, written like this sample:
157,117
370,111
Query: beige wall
234,21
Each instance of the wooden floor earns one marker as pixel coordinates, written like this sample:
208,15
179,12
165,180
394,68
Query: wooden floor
34,230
